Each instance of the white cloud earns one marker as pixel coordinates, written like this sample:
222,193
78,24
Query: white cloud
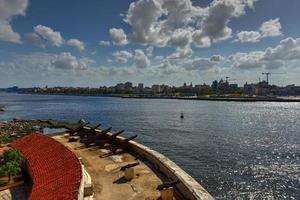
181,53
271,28
76,43
288,49
66,60
35,39
286,54
149,51
141,60
45,36
178,23
52,38
122,56
248,36
118,36
181,39
247,61
104,43
9,9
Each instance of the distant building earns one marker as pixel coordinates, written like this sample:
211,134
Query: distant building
156,88
128,85
141,86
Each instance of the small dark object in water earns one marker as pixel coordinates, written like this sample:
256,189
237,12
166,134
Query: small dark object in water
181,116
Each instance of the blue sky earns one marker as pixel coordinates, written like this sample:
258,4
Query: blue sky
93,43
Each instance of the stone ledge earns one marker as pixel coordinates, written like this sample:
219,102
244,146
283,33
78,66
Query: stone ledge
188,188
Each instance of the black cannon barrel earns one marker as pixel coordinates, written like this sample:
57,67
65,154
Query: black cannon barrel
106,130
129,139
129,166
167,185
97,126
118,133
78,128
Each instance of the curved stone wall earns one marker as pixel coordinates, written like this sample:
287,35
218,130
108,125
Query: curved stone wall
188,188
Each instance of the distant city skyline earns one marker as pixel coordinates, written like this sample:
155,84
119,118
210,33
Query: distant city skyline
79,43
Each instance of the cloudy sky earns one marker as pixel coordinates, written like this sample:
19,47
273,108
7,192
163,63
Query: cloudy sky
93,43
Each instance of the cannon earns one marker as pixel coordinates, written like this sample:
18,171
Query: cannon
167,185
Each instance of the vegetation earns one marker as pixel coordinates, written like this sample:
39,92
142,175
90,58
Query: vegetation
11,163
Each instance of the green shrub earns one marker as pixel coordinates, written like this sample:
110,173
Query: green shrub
3,183
13,155
12,163
3,172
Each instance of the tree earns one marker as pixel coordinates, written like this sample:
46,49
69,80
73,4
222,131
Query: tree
13,155
12,168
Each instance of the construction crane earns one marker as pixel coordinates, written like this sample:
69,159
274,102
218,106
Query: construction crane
268,74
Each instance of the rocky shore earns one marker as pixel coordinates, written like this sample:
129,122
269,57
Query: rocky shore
17,128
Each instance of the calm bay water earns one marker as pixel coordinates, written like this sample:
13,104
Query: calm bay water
235,150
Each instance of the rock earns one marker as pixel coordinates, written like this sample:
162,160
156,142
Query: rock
37,128
17,119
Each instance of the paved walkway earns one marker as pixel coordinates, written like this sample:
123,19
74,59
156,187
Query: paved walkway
17,193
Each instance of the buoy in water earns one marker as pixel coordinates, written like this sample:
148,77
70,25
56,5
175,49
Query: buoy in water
181,116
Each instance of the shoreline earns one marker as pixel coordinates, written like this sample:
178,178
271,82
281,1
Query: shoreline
236,99
203,98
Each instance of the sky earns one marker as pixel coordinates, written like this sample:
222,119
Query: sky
95,43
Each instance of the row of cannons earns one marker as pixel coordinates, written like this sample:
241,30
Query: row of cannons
94,137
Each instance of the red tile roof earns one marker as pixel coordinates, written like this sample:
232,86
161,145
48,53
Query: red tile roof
56,171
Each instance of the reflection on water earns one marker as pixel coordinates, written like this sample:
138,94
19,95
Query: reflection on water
235,149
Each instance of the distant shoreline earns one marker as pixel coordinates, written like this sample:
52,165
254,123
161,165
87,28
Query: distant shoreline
214,98
236,99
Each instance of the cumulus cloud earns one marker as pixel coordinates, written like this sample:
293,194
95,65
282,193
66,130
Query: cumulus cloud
104,43
249,36
288,49
287,52
141,60
40,69
66,60
118,36
181,53
271,28
122,56
76,43
35,39
53,38
8,10
178,23
181,38
45,36
247,61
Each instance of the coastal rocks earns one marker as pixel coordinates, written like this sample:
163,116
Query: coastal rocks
11,130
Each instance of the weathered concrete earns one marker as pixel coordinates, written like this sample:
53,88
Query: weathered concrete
188,188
